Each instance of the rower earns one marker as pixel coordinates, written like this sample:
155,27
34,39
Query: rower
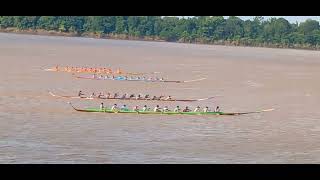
124,108
92,95
145,108
116,95
101,106
136,108
157,109
217,109
56,68
165,109
197,109
160,97
186,109
118,71
124,96
108,95
147,96
168,98
131,96
114,107
139,96
206,109
154,98
177,109
161,79
80,93
100,95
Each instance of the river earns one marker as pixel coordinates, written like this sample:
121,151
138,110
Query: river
38,128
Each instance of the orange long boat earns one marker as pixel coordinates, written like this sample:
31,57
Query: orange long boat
101,70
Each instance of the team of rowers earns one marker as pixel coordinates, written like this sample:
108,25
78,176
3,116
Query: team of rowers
94,76
88,70
125,96
158,109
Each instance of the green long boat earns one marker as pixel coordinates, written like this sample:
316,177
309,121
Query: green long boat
97,110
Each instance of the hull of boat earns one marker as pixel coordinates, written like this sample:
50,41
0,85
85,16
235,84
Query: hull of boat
151,112
120,78
107,73
95,110
129,99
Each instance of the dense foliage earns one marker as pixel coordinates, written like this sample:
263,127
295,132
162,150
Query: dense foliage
274,32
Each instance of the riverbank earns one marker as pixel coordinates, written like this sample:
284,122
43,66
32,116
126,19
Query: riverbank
155,39
74,34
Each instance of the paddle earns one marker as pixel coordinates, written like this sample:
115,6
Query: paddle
194,80
265,110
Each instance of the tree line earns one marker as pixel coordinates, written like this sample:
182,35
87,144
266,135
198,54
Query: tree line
273,32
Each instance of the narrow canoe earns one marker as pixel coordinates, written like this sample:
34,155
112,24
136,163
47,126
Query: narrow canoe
122,78
109,73
129,99
96,110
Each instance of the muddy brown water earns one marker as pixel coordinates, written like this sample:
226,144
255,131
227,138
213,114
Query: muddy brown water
37,128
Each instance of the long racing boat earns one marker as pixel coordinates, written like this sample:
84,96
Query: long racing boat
139,99
94,70
124,78
97,110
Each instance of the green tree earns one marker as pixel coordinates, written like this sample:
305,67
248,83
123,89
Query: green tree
48,23
7,21
121,26
308,26
26,22
205,29
234,27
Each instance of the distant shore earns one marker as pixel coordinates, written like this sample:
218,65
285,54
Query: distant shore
146,38
73,34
